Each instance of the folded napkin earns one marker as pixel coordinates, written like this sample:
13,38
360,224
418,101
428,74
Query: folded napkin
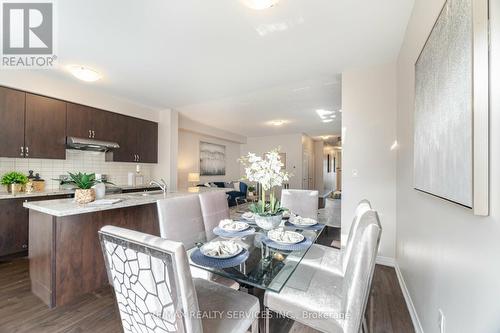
220,249
282,236
230,225
104,202
248,215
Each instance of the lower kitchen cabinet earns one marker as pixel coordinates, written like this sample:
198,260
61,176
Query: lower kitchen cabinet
14,222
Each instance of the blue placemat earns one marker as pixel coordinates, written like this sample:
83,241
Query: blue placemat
315,227
305,244
200,259
240,234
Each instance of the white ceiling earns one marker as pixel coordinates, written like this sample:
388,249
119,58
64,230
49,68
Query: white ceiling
174,53
250,114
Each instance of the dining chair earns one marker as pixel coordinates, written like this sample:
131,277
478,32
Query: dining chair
326,301
181,220
301,202
155,291
214,208
332,259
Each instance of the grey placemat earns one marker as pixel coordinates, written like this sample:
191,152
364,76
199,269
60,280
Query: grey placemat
200,259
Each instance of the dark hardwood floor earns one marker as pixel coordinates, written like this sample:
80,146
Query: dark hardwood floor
21,311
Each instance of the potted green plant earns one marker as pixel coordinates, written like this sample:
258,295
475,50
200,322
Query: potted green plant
251,191
14,181
268,172
84,193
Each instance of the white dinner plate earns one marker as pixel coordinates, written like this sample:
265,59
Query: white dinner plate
234,226
303,221
232,248
285,237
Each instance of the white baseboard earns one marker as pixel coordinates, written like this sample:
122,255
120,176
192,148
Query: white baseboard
409,302
386,261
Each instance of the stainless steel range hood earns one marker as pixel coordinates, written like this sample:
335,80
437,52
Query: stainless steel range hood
90,144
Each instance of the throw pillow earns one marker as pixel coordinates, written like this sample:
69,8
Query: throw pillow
206,185
228,185
236,186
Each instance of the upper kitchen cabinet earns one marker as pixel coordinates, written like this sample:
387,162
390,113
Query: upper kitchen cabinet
12,122
45,127
87,122
147,141
138,140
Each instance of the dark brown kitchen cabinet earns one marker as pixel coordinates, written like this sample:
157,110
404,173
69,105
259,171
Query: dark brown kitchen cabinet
14,222
45,127
11,122
87,122
138,140
147,141
13,227
124,133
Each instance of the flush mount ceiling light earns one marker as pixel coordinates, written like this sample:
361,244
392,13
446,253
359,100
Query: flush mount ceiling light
84,73
277,123
327,120
260,4
324,113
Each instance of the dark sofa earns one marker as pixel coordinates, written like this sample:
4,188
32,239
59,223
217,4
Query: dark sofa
242,193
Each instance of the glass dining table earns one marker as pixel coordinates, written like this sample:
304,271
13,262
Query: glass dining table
266,268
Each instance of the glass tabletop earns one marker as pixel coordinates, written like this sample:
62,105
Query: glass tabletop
266,268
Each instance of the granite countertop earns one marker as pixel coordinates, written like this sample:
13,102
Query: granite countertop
67,207
6,195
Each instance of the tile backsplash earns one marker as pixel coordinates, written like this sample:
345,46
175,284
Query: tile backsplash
76,161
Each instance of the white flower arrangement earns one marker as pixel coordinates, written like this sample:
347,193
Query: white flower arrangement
268,172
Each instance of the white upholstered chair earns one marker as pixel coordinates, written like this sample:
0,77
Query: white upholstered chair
156,293
181,221
330,302
331,259
301,202
214,208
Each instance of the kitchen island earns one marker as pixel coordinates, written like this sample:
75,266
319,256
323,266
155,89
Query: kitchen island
65,255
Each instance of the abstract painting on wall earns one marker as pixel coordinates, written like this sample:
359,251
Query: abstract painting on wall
212,159
444,107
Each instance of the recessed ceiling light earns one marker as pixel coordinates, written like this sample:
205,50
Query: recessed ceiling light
260,4
327,120
324,113
277,123
84,73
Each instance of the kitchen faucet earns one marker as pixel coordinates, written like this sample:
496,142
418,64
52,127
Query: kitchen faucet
162,184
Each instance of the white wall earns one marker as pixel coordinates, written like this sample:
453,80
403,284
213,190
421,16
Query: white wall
329,178
449,258
369,129
319,173
291,144
189,158
167,148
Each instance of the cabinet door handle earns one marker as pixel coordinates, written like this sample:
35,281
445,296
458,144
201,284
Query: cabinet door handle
93,134
138,157
27,151
22,151
90,134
